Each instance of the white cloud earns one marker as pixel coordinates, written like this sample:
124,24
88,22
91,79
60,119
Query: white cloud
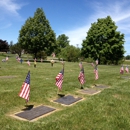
77,35
10,7
119,12
6,26
9,12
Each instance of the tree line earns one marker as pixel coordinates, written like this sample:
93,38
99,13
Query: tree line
36,37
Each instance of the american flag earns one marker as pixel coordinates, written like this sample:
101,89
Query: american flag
126,70
97,62
59,79
121,70
7,58
25,90
28,62
92,64
53,55
96,72
81,76
80,65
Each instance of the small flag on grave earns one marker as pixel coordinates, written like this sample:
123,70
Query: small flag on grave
95,69
53,55
126,69
59,79
28,62
97,62
81,76
122,70
80,65
25,90
96,72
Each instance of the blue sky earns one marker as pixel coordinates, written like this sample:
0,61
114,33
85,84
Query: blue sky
70,17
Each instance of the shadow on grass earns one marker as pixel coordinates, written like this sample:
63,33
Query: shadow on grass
61,95
28,107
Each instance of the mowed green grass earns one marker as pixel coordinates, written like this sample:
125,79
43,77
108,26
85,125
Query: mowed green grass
108,110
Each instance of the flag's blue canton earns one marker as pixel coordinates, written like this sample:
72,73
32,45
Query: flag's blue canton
82,70
27,80
62,71
95,67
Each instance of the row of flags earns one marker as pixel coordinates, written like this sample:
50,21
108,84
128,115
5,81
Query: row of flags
28,62
122,70
52,61
25,89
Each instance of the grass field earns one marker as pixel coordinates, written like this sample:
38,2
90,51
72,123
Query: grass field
108,110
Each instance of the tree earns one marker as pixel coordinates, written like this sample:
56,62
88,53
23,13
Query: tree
16,48
104,42
36,34
70,53
4,47
10,46
127,57
62,41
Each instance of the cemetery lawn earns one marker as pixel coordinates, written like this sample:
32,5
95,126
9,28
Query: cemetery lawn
107,110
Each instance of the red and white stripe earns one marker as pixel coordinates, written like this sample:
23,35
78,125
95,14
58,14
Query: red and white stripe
96,62
96,74
28,62
59,80
25,91
122,70
81,77
80,65
126,70
53,55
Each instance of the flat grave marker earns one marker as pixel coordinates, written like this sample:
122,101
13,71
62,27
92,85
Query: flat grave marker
67,100
125,77
90,91
100,86
34,113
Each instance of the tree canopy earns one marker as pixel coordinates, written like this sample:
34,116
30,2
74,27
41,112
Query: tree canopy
127,57
104,42
36,34
4,47
62,41
70,53
16,48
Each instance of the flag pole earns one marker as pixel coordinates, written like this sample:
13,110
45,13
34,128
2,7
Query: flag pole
57,90
26,102
94,83
81,87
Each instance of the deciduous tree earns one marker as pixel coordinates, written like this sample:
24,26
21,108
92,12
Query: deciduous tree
70,53
62,41
104,42
36,34
4,47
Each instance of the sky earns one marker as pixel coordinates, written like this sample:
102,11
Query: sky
70,17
